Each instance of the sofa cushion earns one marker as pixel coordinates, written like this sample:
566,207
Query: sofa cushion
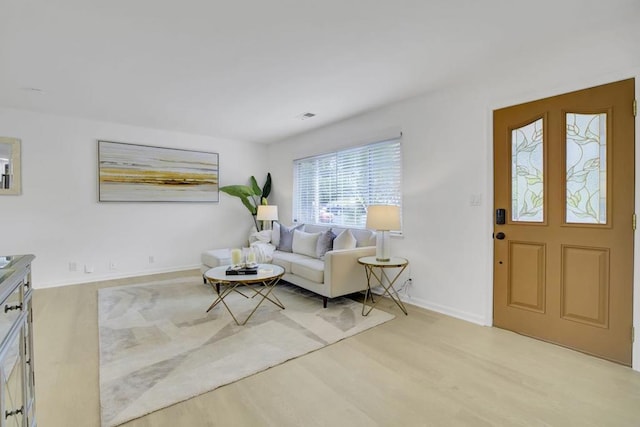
286,237
305,243
325,243
309,268
285,259
216,257
344,241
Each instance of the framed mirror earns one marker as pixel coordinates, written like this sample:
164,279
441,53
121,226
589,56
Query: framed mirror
10,166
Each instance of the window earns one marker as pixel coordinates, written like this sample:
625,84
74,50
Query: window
336,188
586,148
527,172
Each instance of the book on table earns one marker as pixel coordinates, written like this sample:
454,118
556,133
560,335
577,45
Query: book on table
233,271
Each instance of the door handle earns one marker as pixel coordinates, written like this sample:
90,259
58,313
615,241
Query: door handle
500,235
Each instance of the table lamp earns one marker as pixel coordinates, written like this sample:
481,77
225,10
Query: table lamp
383,219
266,214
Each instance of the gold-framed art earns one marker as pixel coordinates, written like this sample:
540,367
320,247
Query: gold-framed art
143,173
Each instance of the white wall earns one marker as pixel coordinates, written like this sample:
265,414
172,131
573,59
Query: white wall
59,219
446,240
447,154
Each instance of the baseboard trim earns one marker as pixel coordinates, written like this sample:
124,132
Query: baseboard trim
459,314
442,309
106,277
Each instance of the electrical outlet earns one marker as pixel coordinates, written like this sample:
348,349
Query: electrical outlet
151,259
73,266
88,268
112,265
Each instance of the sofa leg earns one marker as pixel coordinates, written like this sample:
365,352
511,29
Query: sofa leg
324,302
204,279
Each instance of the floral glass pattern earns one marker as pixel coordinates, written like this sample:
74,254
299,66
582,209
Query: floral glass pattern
586,145
527,177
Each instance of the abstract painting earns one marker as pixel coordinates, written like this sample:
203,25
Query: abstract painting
141,173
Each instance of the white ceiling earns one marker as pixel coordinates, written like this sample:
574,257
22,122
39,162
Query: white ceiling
245,69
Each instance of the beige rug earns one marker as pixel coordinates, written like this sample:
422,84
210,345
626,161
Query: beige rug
158,346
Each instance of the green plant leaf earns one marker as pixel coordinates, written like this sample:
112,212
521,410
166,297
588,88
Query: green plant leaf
237,190
266,190
249,204
247,195
255,187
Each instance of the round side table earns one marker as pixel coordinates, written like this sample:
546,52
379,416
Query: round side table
380,277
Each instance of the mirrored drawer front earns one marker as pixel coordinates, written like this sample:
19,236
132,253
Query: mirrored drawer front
10,310
11,375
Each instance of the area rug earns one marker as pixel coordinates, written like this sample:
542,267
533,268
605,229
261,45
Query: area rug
158,346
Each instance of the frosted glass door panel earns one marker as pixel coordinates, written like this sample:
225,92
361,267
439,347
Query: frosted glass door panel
586,147
527,178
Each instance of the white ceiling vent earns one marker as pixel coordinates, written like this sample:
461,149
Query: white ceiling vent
305,116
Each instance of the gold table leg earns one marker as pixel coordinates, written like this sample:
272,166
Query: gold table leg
380,279
265,291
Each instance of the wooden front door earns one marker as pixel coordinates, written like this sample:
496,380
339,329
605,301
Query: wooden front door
563,233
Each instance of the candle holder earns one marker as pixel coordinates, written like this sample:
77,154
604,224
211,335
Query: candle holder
250,257
236,257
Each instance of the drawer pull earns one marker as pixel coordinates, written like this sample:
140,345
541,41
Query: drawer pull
12,307
8,414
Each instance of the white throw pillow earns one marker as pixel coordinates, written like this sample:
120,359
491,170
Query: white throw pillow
345,240
305,243
275,235
372,239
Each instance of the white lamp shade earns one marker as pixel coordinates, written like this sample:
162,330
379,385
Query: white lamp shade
267,213
383,217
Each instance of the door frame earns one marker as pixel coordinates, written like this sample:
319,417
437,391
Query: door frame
506,102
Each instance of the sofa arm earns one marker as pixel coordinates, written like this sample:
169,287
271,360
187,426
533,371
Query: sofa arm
342,273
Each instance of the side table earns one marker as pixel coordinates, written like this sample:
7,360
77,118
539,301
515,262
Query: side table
381,278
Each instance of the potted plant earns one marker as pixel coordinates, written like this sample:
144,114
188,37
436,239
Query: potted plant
251,195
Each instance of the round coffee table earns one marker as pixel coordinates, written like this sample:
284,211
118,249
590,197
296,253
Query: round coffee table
261,284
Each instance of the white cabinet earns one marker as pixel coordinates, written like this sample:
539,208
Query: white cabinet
17,393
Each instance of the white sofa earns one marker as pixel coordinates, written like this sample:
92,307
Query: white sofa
330,274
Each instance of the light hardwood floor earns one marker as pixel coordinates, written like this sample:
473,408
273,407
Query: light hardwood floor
425,369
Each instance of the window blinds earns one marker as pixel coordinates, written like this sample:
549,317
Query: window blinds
336,188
